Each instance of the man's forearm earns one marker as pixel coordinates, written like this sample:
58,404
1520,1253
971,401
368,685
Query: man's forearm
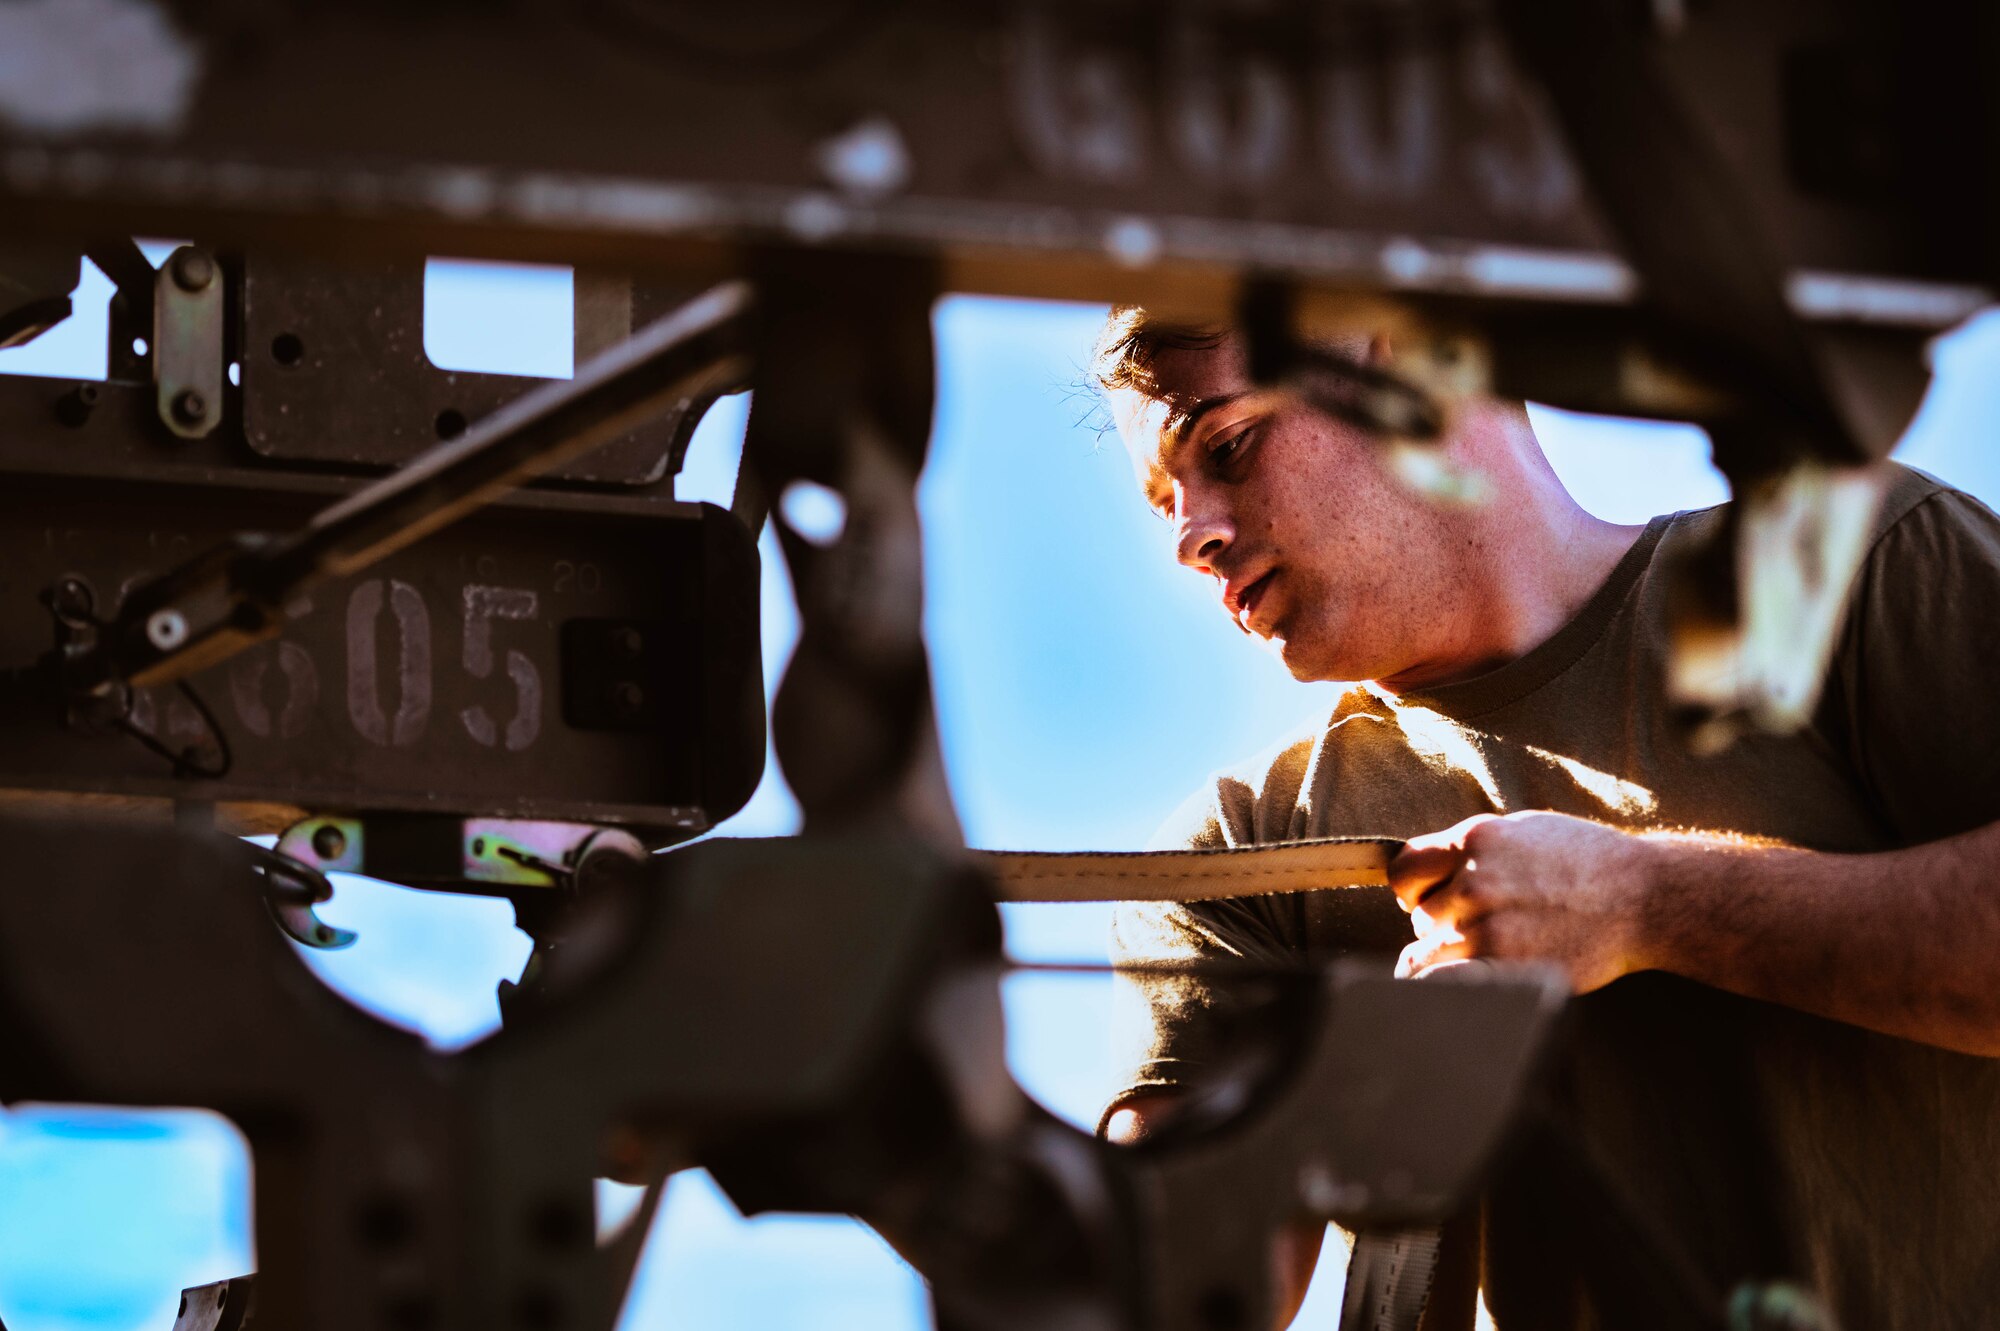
1905,942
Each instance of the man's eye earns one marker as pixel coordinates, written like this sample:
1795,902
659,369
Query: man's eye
1224,450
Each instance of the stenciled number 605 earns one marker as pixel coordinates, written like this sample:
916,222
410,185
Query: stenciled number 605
382,613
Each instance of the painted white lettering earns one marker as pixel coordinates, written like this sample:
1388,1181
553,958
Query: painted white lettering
483,605
413,664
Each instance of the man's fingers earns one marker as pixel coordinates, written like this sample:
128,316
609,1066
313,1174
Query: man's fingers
1416,872
1450,905
1441,946
1425,862
1461,966
1138,1116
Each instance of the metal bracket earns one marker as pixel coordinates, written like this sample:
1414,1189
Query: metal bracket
225,1305
187,342
491,853
291,889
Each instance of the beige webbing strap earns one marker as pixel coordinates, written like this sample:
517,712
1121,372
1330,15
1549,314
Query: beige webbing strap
1190,875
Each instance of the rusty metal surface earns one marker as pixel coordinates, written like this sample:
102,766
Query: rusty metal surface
1035,148
504,641
373,697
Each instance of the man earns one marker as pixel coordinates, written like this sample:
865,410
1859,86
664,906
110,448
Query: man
1787,955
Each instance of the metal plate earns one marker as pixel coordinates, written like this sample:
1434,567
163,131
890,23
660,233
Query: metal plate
335,371
432,682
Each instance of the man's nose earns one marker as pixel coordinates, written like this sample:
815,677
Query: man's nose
1205,532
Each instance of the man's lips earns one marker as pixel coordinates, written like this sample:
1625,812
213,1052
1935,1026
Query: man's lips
1241,601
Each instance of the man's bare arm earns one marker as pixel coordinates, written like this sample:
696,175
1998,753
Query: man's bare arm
1902,942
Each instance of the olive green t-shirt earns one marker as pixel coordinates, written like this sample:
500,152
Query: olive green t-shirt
1769,1143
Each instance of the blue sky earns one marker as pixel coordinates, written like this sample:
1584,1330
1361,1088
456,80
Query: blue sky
1085,685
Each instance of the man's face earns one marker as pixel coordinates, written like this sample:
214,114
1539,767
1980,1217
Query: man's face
1313,546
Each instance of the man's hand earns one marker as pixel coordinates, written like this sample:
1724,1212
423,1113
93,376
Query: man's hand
1527,887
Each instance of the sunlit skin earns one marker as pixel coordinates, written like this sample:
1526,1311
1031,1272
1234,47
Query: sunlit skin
1313,546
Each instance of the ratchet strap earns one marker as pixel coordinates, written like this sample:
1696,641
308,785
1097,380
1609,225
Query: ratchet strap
1190,875
1389,1279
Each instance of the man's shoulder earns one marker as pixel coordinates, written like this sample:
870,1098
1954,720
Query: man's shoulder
1908,490
1263,798
1918,504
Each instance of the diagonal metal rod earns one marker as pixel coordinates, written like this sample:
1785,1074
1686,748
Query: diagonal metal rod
223,601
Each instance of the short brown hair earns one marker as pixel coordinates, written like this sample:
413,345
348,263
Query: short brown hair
1132,337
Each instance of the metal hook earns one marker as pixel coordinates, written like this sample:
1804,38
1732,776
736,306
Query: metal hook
291,890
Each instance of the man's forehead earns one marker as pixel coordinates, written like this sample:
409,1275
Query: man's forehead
1183,377
1184,380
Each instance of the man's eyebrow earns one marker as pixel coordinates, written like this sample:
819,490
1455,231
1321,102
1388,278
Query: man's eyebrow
1180,425
1178,428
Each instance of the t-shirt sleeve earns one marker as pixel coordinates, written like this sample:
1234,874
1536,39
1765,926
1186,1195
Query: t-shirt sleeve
1915,669
1169,1028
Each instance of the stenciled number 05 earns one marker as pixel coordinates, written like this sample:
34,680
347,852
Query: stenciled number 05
411,617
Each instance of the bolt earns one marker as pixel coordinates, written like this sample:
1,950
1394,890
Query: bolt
190,407
628,698
74,407
329,842
627,641
193,269
73,602
166,629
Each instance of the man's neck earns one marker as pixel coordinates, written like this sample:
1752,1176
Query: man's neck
1527,570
